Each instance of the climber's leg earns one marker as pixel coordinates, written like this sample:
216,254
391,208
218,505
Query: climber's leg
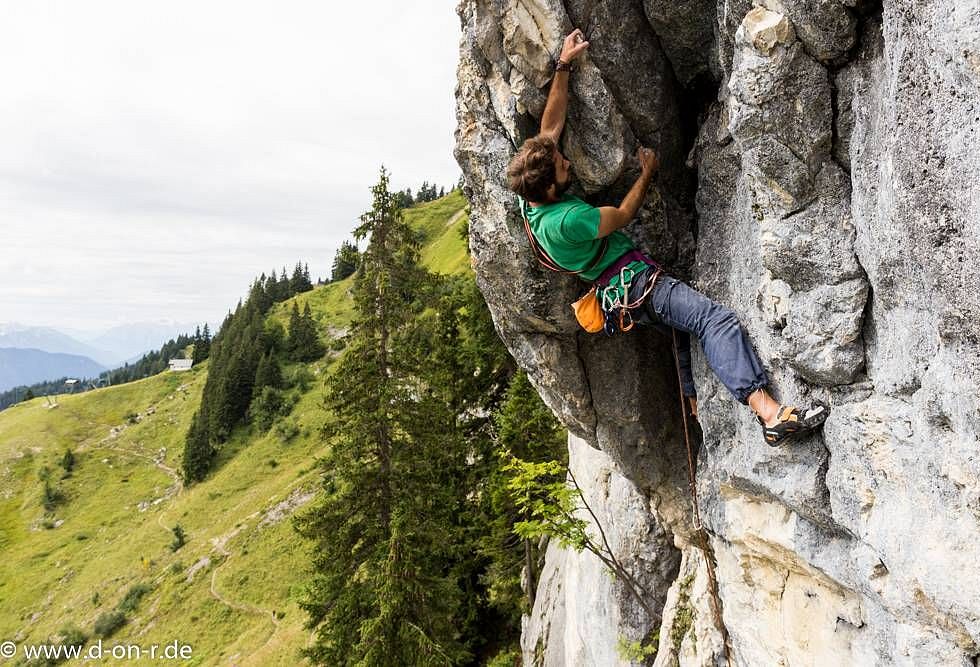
725,344
645,316
730,355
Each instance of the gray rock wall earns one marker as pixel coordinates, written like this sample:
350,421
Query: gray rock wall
820,178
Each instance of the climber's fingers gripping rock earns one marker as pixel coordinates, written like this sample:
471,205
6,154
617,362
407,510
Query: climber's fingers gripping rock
574,45
648,159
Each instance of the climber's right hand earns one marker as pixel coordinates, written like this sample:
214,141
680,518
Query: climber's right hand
648,159
574,45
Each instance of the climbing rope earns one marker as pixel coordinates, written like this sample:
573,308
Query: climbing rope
701,535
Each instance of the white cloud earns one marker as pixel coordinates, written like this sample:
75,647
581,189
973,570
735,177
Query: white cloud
159,156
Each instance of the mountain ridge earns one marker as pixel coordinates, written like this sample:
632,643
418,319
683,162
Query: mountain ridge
27,366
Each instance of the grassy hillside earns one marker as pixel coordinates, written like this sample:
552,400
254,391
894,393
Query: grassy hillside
230,591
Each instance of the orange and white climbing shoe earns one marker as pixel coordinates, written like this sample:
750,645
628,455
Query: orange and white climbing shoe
794,422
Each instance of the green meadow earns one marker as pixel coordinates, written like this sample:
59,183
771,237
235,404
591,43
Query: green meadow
104,546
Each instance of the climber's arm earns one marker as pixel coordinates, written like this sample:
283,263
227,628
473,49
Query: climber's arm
612,218
553,118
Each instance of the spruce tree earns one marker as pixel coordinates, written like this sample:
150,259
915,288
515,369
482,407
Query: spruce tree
527,429
345,261
260,297
206,342
300,281
295,332
384,591
303,343
268,373
198,452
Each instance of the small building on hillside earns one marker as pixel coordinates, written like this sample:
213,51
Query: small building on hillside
181,364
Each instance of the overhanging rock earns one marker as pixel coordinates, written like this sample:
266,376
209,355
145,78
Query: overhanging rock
819,177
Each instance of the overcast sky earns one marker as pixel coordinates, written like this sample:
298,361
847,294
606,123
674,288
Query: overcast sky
155,157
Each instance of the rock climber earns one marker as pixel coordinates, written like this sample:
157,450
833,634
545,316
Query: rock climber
573,234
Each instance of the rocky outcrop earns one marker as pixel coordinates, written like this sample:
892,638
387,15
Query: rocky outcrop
820,178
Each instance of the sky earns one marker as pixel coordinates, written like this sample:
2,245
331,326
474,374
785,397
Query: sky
156,157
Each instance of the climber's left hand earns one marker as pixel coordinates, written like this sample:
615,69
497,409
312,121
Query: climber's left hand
574,45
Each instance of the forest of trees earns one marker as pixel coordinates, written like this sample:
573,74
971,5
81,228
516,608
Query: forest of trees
345,261
151,363
414,556
244,379
425,192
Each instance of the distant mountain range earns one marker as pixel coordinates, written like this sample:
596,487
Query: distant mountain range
110,348
47,339
34,354
24,367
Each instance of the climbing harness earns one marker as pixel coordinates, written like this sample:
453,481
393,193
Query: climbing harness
701,535
613,304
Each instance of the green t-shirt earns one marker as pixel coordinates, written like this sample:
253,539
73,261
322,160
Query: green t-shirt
567,230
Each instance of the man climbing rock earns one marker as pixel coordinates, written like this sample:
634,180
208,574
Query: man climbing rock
574,237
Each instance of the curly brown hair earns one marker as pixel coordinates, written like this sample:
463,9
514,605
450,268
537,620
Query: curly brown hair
532,171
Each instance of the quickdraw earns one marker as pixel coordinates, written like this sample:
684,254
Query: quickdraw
614,305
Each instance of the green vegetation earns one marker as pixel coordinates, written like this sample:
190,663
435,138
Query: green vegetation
526,431
132,598
234,585
68,461
180,538
551,507
345,261
107,624
202,344
384,587
638,651
415,560
684,616
303,343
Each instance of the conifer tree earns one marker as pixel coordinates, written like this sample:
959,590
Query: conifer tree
259,297
300,281
268,373
345,261
384,591
303,343
198,452
202,345
527,429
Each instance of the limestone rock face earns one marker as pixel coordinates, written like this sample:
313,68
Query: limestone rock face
820,163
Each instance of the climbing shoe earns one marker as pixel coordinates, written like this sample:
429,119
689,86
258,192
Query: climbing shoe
794,422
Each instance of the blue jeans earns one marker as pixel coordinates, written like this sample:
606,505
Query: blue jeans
672,303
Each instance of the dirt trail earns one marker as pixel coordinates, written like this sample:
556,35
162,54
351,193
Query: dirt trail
219,543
